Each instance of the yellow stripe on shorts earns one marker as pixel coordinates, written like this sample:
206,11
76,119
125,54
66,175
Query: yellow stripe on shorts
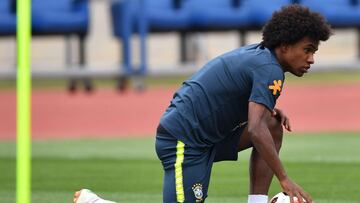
180,148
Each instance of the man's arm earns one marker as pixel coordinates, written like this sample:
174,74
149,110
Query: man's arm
262,140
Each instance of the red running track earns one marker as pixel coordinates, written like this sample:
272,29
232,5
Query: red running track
107,113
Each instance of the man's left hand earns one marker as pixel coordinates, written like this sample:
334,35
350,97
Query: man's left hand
282,118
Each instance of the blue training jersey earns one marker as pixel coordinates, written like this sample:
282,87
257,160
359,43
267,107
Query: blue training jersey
214,101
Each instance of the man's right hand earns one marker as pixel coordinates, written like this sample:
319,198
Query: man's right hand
294,190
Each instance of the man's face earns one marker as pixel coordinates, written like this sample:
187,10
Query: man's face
297,58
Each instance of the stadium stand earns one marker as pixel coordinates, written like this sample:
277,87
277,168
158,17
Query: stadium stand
7,18
184,17
64,17
53,17
188,16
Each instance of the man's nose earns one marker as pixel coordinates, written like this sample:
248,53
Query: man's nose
310,59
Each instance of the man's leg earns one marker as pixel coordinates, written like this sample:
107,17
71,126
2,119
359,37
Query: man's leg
260,174
187,170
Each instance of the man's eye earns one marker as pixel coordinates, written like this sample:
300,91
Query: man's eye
308,50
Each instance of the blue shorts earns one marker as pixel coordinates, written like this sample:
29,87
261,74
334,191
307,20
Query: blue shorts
187,169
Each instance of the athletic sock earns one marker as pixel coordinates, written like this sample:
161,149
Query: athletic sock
257,199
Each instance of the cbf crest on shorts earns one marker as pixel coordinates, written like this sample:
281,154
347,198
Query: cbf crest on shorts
198,192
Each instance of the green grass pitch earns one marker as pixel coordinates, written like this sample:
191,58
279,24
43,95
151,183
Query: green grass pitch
127,170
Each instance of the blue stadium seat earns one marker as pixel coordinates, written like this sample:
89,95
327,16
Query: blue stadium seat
339,13
60,17
166,15
7,18
261,10
160,15
217,14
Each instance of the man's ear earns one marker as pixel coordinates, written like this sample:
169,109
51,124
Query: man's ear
284,48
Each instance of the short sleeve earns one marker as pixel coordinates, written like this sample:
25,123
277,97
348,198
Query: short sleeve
267,85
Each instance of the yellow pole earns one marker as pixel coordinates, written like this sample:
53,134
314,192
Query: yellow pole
23,103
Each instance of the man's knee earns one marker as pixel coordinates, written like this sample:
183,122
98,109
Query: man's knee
276,131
